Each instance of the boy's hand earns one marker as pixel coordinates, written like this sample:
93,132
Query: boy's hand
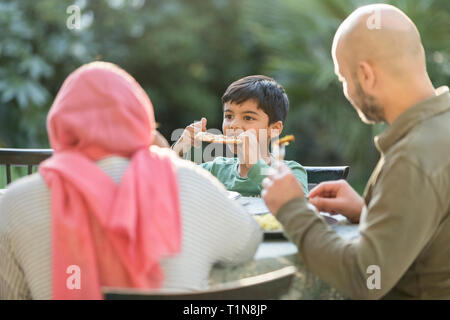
280,187
248,152
337,197
159,140
187,139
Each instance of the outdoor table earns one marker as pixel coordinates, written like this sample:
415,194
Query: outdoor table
274,254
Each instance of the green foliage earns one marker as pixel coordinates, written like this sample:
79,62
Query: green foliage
296,39
185,54
16,173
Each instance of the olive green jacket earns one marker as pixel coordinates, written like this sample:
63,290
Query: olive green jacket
405,224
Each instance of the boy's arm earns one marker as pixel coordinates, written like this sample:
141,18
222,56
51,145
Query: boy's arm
187,139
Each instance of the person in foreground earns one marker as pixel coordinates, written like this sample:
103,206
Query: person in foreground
110,210
254,109
404,218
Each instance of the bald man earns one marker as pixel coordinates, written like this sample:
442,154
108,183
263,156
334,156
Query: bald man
403,251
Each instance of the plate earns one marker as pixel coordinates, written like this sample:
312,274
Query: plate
233,195
253,205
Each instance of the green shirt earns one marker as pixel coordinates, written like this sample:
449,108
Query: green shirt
226,171
404,226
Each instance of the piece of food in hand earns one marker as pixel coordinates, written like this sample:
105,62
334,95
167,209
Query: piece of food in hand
217,138
268,222
286,139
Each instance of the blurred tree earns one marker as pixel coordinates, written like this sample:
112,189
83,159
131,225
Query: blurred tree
185,54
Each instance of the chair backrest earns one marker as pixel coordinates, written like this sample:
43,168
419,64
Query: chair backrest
320,174
271,285
22,157
32,157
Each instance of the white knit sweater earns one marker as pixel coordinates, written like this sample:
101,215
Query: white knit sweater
215,230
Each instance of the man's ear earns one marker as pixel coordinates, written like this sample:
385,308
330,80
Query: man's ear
275,129
367,77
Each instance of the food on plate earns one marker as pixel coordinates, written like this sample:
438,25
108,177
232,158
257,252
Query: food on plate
268,222
217,138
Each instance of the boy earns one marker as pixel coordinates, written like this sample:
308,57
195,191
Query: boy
254,109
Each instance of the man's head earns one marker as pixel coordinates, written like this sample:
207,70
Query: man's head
379,58
255,102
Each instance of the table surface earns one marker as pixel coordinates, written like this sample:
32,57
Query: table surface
283,247
275,254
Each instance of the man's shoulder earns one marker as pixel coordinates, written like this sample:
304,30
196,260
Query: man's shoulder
427,145
434,131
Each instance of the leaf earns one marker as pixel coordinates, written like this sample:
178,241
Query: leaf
8,94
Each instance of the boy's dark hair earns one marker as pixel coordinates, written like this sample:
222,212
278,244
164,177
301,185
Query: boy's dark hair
268,94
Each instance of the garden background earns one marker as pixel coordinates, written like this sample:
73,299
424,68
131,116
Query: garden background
186,52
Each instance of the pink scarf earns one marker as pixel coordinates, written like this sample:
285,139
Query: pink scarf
103,233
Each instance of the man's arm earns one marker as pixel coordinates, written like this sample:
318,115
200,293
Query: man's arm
400,220
337,197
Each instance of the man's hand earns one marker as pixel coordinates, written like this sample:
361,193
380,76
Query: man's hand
280,187
187,139
337,197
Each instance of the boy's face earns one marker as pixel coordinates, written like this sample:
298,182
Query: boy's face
238,118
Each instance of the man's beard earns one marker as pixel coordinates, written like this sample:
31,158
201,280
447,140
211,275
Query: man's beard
368,109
